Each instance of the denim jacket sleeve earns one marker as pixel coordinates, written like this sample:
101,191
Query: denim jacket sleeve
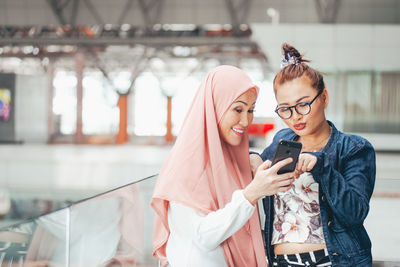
349,189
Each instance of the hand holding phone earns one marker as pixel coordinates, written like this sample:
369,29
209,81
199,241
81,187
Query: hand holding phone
287,149
268,182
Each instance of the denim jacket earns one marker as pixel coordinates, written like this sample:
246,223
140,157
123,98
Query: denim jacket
345,172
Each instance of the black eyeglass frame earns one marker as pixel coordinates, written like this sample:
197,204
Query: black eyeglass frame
295,107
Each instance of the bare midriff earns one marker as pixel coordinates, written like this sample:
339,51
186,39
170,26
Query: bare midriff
293,248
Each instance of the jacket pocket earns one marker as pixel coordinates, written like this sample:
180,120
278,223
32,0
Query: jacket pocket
353,241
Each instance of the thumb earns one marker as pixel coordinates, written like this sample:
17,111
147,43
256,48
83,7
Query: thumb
281,163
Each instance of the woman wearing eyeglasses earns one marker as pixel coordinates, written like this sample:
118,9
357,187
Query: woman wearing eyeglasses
319,221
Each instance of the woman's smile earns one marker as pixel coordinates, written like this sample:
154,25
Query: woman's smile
238,131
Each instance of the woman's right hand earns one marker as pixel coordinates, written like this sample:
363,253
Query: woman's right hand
268,182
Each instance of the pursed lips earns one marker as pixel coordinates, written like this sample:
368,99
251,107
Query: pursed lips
299,126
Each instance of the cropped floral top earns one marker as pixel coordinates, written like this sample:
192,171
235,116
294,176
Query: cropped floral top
297,216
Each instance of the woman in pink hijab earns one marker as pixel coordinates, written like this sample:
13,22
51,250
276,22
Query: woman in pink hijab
205,198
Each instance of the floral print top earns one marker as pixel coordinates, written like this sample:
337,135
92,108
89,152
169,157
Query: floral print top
297,216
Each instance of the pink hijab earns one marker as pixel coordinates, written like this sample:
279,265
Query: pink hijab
202,171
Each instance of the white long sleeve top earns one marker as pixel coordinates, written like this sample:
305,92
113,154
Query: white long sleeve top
195,239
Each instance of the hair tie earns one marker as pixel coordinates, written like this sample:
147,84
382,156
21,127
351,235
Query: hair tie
292,60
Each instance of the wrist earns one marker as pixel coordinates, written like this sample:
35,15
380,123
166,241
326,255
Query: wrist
250,195
319,165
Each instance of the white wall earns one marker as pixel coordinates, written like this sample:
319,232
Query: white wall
334,47
31,108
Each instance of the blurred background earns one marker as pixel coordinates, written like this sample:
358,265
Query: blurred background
93,93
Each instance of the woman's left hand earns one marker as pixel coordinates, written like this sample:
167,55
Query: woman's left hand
305,163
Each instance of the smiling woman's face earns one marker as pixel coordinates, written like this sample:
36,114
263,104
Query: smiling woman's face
300,90
237,118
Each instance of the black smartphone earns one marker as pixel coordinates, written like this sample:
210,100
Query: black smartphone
287,149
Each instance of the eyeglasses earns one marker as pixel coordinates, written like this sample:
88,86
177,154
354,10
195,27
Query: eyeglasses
302,108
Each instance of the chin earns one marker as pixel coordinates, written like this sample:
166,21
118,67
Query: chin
300,132
234,142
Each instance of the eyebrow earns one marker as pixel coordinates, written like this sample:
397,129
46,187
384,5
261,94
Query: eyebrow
240,101
297,101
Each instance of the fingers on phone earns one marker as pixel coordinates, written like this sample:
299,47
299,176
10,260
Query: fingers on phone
282,163
287,182
288,175
285,187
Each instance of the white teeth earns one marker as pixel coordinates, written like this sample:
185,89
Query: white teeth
238,131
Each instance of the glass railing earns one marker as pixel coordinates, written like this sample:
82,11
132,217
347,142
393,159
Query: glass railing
111,229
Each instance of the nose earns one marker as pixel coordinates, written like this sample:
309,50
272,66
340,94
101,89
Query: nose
296,116
245,120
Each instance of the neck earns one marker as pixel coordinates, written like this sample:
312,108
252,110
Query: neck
318,139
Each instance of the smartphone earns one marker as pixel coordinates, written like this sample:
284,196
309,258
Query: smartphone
287,149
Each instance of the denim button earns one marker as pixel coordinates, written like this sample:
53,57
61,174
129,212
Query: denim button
335,254
329,224
323,198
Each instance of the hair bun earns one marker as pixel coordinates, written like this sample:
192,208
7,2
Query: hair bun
290,51
294,66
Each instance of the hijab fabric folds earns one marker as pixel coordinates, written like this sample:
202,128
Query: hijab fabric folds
202,171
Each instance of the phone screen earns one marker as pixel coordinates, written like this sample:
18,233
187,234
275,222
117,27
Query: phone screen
287,149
